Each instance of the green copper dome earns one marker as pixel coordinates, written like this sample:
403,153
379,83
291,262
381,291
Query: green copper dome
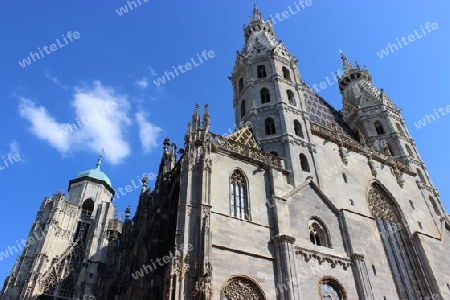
96,173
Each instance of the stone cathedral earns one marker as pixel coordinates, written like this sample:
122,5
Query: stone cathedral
302,201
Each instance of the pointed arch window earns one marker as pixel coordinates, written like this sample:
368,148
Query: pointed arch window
261,70
239,195
241,84
318,233
298,128
408,276
304,163
269,124
243,109
379,128
286,73
265,95
291,98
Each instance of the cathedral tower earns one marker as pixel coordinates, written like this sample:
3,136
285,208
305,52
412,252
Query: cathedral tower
268,99
67,242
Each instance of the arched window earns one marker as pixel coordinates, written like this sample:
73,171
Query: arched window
379,128
298,128
344,176
435,207
408,149
412,204
400,130
88,207
241,84
243,109
304,163
238,195
237,288
286,73
421,177
318,233
410,280
261,70
291,98
265,95
270,126
331,289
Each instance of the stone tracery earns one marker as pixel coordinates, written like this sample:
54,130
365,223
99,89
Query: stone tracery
241,288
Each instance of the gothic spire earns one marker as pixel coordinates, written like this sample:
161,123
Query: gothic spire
347,66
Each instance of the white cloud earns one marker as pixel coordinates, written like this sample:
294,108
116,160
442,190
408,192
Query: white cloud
143,83
14,147
101,121
43,125
55,80
148,133
152,71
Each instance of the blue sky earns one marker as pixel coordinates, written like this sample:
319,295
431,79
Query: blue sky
115,59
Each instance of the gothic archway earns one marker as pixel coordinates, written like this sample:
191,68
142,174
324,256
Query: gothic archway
241,288
406,271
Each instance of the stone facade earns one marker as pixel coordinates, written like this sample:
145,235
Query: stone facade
301,202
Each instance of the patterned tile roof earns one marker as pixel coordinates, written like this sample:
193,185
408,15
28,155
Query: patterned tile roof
323,114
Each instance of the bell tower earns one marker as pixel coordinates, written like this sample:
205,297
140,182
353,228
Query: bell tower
377,120
67,242
267,98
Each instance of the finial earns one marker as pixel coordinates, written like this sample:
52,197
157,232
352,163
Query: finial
347,65
206,118
256,14
166,144
144,182
99,161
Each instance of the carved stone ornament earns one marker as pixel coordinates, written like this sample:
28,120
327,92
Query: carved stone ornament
239,288
380,206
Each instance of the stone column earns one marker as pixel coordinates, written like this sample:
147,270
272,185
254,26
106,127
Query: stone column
287,286
359,267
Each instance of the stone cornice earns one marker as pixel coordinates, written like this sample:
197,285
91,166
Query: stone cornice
334,260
